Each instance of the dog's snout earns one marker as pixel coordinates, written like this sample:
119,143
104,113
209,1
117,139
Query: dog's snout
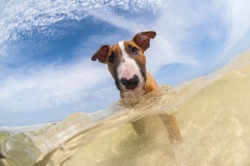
130,83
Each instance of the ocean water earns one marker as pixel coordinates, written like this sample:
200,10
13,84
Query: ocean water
212,113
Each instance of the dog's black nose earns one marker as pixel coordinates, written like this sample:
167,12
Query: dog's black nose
131,83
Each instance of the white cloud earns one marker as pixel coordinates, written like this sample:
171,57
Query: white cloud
237,17
174,35
184,25
20,16
163,53
51,86
118,21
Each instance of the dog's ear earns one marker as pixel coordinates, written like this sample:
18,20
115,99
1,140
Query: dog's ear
101,54
143,39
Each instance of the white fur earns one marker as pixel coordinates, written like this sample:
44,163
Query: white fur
128,67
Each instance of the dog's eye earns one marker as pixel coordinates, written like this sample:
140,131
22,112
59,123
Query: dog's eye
111,57
134,50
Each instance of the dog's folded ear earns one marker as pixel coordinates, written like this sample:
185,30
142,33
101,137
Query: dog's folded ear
143,39
101,54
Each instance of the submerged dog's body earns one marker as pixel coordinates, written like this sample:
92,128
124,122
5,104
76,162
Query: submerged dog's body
127,64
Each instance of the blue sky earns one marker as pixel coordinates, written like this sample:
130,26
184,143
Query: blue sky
45,49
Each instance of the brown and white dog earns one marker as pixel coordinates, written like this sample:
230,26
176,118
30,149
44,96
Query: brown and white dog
127,64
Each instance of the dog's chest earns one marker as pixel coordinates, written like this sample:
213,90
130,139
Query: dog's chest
131,95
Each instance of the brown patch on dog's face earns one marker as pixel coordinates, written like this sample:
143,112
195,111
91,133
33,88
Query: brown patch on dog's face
113,60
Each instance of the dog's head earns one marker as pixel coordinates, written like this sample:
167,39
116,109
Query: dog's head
126,61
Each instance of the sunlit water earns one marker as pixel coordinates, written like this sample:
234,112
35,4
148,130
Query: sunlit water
212,113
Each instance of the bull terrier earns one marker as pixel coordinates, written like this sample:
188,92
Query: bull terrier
127,64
